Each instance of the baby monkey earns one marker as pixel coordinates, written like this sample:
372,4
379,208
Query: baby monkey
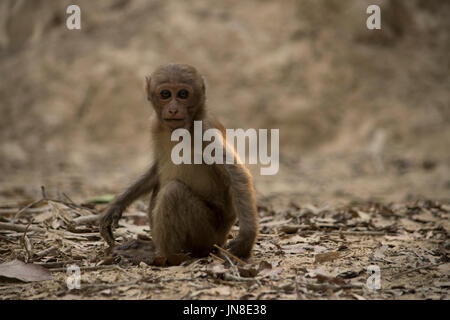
193,206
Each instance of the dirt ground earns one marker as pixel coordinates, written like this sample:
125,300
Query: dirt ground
364,119
304,251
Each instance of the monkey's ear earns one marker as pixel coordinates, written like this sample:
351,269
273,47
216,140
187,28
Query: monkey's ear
148,80
204,84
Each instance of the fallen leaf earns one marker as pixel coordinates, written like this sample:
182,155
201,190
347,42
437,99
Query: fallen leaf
271,273
363,216
221,291
323,279
442,284
410,225
425,216
294,249
70,297
289,229
106,292
312,273
349,274
358,297
216,269
41,217
26,272
248,271
379,253
293,239
444,268
445,224
320,249
327,256
264,265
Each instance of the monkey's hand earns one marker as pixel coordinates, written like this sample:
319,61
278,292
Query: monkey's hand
240,247
108,221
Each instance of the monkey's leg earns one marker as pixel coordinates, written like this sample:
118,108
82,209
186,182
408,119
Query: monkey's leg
182,222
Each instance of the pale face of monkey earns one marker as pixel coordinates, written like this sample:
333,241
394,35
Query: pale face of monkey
177,93
175,103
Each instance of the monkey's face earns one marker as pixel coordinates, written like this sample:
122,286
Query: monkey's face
177,93
175,104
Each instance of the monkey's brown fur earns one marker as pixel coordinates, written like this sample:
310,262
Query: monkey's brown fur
193,206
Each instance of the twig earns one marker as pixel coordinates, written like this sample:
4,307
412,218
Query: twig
19,228
86,219
275,223
109,285
73,205
230,255
418,268
361,233
44,194
56,264
5,211
86,268
230,277
45,251
177,279
68,198
267,235
26,244
326,286
68,203
217,257
2,237
136,281
80,236
232,266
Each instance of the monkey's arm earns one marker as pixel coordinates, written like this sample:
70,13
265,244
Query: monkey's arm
145,184
243,199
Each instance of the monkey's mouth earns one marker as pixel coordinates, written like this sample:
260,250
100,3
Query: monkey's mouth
174,123
173,119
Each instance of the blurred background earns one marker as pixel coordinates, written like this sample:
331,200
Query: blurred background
363,114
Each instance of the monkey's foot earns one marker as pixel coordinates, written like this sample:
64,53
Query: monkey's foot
137,251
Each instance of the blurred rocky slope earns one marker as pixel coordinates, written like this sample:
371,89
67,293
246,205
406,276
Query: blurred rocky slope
74,99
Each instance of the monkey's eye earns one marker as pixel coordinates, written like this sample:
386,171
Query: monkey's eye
165,94
183,94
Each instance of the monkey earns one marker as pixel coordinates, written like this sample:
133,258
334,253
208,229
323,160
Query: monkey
192,206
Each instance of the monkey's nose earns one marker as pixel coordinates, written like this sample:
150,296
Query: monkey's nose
173,112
